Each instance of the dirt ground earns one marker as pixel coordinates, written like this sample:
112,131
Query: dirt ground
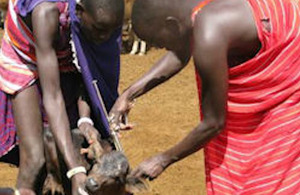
162,117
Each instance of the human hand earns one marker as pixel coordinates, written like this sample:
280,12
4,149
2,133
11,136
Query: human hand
78,181
152,167
95,150
118,115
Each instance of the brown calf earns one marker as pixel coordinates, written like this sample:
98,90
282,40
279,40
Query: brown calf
109,174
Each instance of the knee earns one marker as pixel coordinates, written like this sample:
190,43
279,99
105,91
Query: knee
38,162
37,158
34,160
31,167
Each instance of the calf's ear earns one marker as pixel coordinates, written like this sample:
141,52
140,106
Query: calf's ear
136,185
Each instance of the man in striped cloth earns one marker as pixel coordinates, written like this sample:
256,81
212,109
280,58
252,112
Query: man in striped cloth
246,56
38,77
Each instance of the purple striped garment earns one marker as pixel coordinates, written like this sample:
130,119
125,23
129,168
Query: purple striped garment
8,138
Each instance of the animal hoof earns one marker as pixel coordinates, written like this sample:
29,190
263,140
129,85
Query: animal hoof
52,186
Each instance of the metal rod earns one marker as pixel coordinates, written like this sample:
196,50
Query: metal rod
113,133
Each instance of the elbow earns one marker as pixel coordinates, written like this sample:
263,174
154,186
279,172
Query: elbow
52,102
220,126
216,126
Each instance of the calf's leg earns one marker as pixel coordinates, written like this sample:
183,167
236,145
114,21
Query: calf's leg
53,182
143,48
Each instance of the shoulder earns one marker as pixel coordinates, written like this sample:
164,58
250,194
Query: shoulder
45,10
224,21
45,22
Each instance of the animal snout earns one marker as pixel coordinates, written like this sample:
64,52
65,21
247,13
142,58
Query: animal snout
92,185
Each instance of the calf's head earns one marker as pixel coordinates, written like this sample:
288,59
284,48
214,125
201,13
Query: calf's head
111,175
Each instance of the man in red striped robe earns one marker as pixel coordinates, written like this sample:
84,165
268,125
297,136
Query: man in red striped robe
246,55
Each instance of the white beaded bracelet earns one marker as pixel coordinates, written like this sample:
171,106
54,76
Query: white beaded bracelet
75,170
85,120
17,192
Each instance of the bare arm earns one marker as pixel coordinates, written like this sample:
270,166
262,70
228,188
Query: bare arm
216,31
83,106
210,57
91,134
45,26
165,68
86,127
84,112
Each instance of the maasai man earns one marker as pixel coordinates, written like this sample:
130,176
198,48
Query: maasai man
246,55
36,58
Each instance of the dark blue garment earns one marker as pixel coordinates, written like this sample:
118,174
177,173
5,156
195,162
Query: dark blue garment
101,63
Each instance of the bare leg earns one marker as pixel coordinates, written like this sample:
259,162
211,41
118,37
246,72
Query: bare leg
29,125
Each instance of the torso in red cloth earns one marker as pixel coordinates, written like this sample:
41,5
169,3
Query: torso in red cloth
18,67
259,150
17,57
